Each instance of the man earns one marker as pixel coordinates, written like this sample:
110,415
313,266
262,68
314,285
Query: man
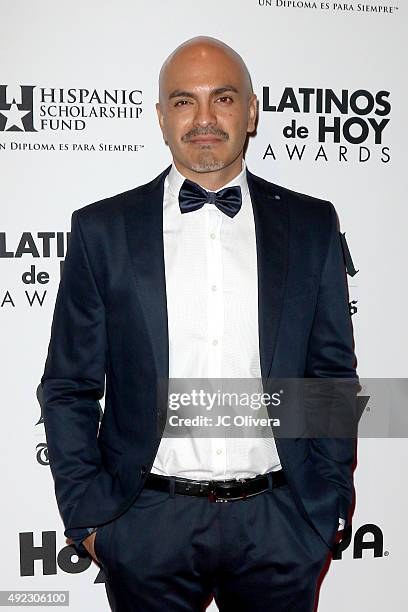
206,271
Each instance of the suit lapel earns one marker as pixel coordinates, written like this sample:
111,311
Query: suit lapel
144,229
272,242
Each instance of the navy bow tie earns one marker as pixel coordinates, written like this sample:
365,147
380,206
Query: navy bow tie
193,197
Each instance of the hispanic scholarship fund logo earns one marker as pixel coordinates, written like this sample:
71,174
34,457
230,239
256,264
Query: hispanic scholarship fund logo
28,108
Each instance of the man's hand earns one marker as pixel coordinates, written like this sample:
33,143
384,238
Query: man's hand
89,544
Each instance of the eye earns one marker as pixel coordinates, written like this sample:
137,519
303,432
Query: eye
181,103
226,99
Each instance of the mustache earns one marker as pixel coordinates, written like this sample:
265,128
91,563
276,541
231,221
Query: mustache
205,132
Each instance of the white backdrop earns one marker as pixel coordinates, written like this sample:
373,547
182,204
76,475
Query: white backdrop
55,157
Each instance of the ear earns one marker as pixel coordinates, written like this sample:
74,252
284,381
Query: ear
160,116
252,113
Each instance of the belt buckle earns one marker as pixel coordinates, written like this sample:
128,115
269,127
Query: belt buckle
212,496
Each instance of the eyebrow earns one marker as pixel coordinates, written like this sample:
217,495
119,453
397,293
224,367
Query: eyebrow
178,93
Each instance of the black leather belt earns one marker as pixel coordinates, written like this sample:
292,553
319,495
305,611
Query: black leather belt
217,490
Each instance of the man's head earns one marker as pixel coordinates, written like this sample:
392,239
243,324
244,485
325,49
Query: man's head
206,107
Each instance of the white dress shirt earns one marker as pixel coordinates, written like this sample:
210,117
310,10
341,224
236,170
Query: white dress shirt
212,304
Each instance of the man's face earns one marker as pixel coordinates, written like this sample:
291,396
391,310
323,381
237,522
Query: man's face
205,109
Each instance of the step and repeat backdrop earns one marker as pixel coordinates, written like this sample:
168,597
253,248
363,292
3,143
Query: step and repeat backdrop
78,85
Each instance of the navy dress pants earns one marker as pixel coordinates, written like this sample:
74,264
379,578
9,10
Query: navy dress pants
171,553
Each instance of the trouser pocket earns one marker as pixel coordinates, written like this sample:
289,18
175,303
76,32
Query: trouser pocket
101,541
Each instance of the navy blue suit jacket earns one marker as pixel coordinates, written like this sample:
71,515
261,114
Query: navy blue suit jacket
110,318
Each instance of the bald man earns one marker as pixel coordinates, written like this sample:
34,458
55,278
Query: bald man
207,271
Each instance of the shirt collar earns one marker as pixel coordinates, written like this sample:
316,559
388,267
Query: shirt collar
176,179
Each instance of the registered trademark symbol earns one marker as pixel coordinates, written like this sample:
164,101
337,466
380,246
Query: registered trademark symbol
368,408
281,391
386,553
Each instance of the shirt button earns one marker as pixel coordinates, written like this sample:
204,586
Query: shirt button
215,342
219,451
214,287
212,236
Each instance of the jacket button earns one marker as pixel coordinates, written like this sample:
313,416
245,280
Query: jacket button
143,470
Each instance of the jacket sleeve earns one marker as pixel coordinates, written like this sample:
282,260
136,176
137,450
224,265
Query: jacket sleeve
331,355
78,536
74,376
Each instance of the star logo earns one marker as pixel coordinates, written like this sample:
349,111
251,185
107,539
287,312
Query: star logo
16,114
14,117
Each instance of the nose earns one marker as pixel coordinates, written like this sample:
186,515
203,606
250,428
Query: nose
205,114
